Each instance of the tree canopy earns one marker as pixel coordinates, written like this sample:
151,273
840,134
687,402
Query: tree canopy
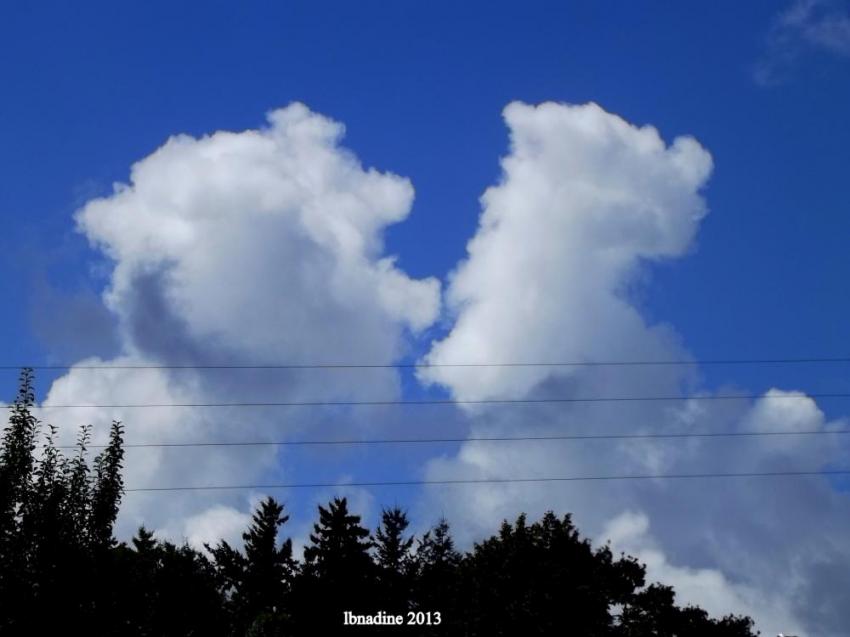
62,568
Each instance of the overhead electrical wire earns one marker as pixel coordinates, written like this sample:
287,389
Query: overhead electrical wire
484,401
469,439
394,441
296,366
481,481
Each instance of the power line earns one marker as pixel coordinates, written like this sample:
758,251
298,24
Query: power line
486,401
614,363
393,441
470,481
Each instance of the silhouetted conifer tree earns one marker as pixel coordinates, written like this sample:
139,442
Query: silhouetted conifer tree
257,585
338,573
396,567
438,579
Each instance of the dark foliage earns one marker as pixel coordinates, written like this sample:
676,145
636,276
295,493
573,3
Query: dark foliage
395,562
338,573
55,524
256,585
61,569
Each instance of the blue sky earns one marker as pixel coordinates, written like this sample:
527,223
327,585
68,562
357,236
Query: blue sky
420,87
90,89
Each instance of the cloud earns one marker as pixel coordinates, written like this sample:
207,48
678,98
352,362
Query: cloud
584,201
256,247
585,204
215,524
805,26
705,587
585,197
261,244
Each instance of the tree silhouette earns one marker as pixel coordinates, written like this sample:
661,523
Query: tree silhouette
107,489
163,590
652,611
257,584
527,579
338,573
396,566
78,479
438,572
61,567
55,555
16,469
52,520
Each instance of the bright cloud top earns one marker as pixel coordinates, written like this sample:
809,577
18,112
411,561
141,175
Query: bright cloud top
584,197
260,244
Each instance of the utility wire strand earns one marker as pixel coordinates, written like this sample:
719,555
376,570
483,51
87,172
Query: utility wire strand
410,483
395,441
621,363
487,401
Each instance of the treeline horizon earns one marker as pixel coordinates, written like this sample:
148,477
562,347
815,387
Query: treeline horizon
61,568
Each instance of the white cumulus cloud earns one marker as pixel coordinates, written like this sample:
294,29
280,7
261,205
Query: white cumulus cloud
705,587
584,198
260,244
255,247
